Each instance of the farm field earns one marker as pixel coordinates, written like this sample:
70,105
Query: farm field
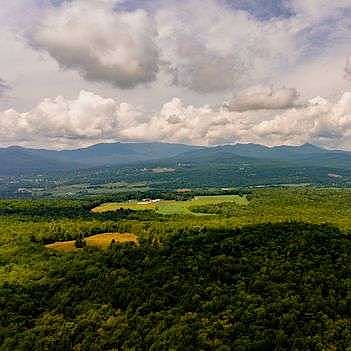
169,207
101,241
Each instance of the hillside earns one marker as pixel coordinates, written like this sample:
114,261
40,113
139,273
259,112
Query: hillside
17,160
265,287
172,166
306,154
122,153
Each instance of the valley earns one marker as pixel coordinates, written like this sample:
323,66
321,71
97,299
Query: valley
176,167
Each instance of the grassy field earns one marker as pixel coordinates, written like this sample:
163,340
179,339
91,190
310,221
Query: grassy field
65,246
169,207
101,241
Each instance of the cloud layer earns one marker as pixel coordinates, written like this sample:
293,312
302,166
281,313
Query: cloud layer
103,45
91,118
216,50
263,98
150,51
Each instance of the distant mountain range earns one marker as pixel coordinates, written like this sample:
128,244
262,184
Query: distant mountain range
18,160
306,154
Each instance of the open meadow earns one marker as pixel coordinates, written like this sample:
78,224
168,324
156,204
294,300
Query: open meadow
169,207
101,241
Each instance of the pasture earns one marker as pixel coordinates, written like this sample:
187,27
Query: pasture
101,241
170,207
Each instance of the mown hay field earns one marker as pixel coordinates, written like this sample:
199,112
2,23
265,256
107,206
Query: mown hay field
172,206
101,241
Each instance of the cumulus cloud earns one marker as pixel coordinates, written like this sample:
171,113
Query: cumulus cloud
101,43
91,118
219,49
229,45
321,122
318,121
263,98
222,48
216,50
60,122
132,43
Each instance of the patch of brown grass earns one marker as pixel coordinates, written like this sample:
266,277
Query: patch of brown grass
101,241
65,246
104,240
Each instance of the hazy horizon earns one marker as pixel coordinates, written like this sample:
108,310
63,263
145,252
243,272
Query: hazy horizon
171,143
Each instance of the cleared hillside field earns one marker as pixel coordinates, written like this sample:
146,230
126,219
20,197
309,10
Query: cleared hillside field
168,207
101,241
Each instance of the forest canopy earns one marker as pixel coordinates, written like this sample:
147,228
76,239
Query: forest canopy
192,282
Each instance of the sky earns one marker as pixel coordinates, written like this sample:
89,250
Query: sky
205,72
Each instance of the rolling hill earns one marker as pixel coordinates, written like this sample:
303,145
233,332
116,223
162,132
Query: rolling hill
307,155
17,160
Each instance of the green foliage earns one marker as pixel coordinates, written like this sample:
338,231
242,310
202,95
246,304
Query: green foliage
283,286
80,242
193,283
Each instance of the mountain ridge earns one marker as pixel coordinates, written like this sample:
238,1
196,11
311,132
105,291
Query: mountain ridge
17,160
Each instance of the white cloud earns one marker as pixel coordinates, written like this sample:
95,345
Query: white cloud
20,13
102,44
324,76
263,98
216,50
219,49
318,121
60,122
90,119
196,50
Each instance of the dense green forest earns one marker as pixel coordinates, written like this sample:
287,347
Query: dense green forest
270,275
